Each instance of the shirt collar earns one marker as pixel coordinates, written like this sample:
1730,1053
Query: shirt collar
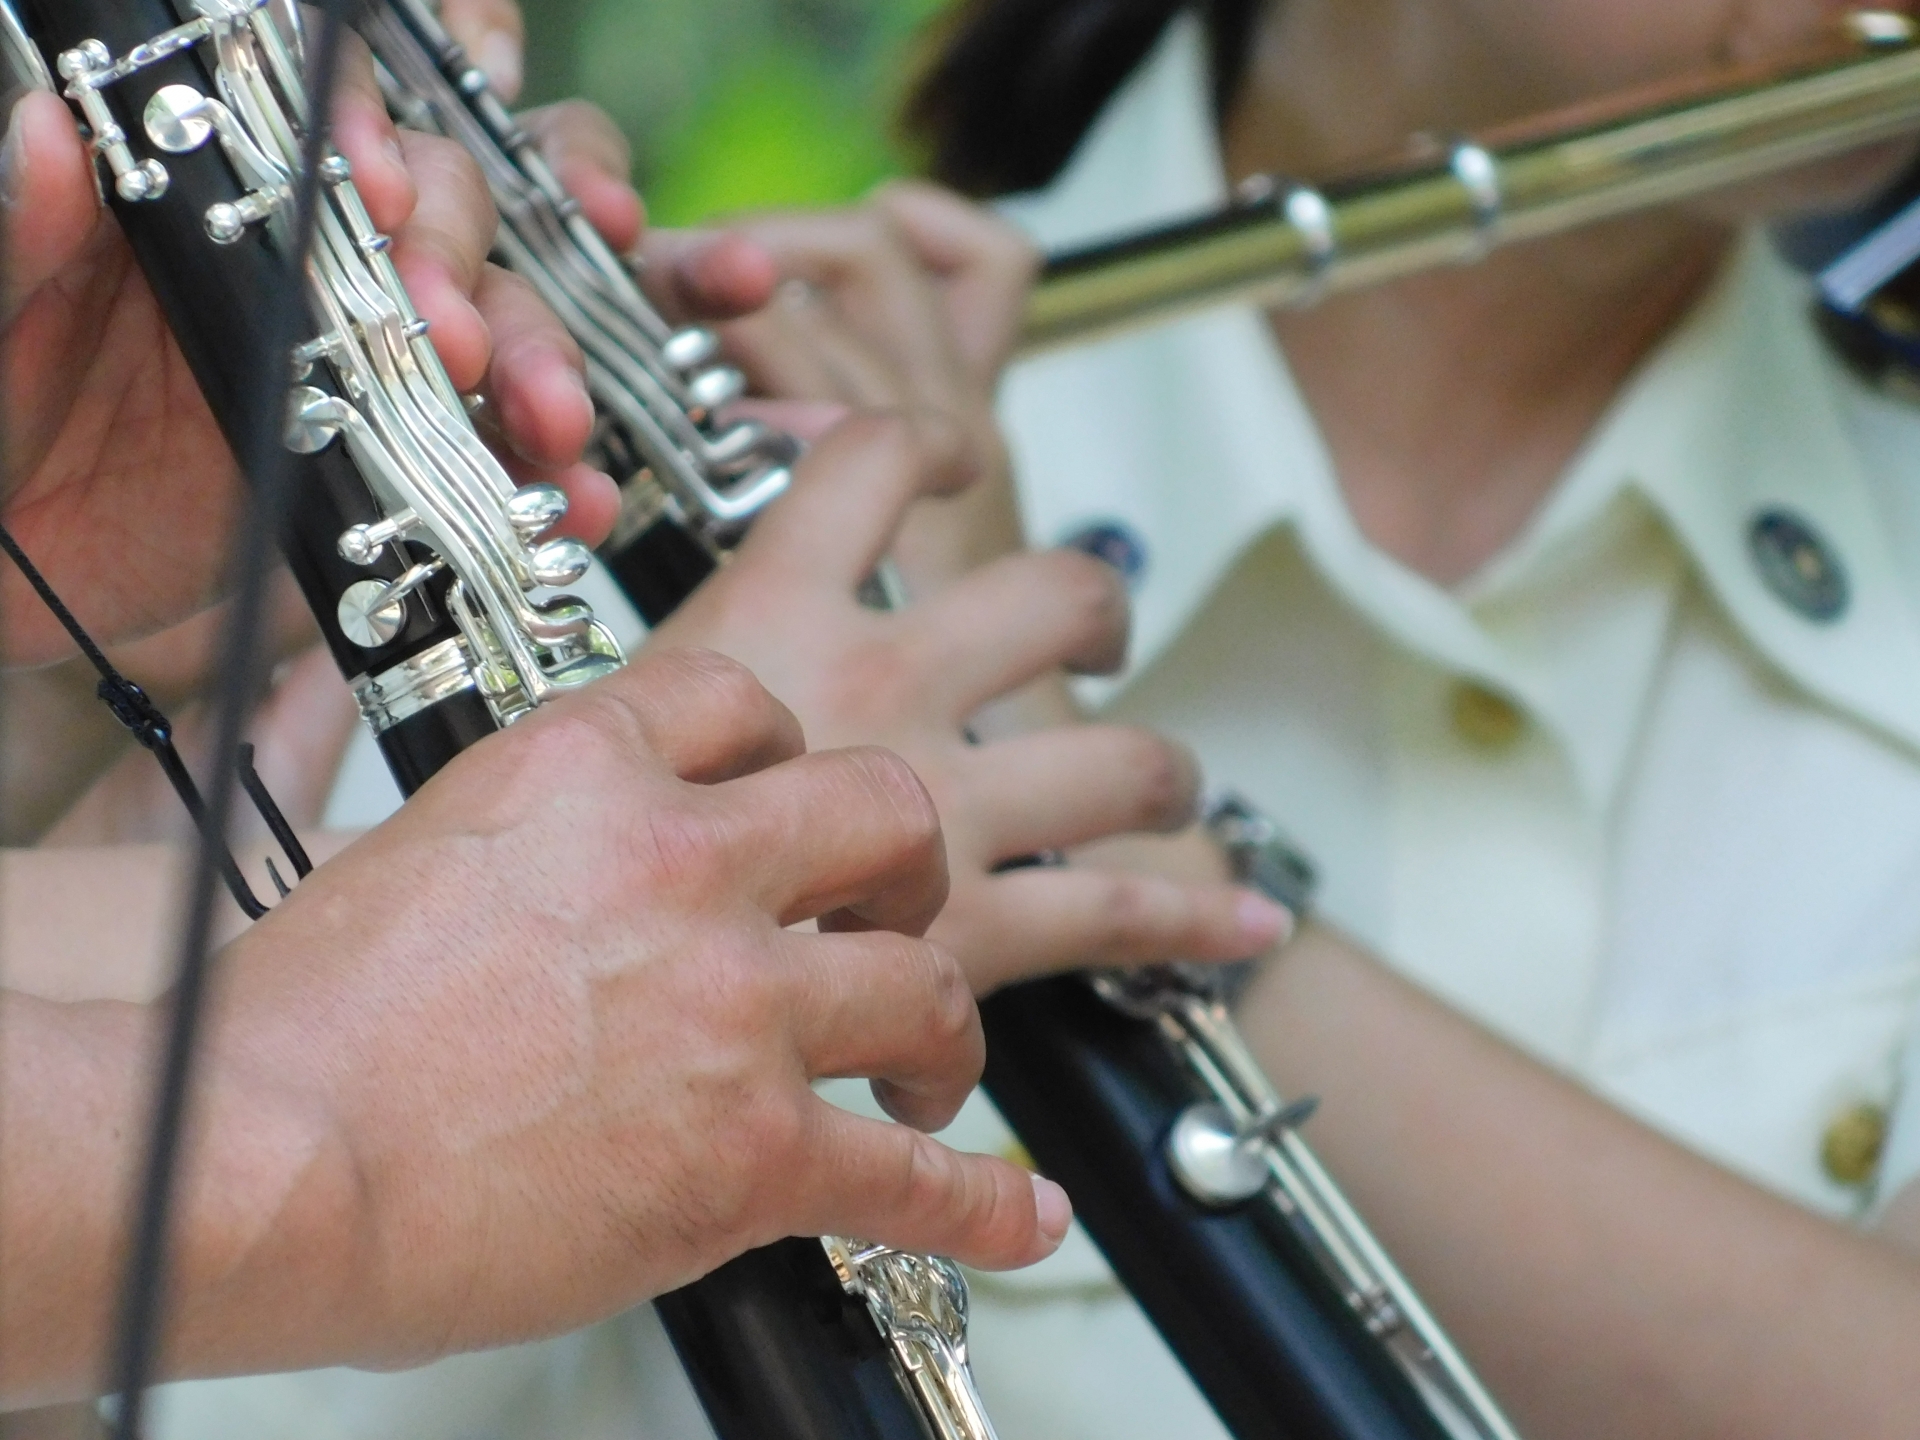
1740,410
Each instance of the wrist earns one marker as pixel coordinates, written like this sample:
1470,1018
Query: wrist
272,1219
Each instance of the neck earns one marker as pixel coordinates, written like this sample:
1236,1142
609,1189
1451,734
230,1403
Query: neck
1453,402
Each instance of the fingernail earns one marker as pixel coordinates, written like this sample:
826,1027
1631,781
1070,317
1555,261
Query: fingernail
1055,1211
1263,923
498,55
586,395
13,160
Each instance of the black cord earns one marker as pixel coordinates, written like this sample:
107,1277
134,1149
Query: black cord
149,725
266,462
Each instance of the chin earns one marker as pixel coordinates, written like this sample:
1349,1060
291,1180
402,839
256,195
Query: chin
1826,187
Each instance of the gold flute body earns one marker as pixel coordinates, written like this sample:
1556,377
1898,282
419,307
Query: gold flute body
1452,202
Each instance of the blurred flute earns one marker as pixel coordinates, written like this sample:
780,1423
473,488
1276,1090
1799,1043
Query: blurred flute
1450,202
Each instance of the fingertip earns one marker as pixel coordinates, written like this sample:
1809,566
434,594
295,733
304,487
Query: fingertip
729,275
593,503
612,206
1028,1219
544,405
454,324
380,172
1053,1212
498,54
1262,923
916,1110
46,186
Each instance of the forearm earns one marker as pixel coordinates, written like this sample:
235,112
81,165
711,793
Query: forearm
1606,1281
261,1259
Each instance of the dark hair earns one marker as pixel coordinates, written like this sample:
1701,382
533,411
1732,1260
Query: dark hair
1013,85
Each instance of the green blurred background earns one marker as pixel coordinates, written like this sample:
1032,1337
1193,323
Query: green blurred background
736,104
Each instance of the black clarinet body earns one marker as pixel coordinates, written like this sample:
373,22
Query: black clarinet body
1093,1095
212,298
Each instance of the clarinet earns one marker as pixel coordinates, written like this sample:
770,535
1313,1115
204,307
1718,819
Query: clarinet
416,552
804,1338
1135,1091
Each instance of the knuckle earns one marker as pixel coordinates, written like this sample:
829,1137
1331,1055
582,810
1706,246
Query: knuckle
1092,592
1166,782
894,783
944,450
1131,918
952,1019
695,678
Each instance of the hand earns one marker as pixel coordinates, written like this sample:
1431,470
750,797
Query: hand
910,680
133,532
913,299
566,1042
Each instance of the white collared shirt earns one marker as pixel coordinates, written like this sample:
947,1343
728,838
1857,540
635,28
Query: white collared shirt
1683,867
1691,879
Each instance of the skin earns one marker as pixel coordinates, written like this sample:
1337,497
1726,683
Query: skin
1605,1282
615,1056
1477,432
407,1147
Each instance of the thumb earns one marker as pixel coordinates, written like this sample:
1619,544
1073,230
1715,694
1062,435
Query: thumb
895,1186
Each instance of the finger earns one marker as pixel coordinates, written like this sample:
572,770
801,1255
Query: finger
591,157
847,499
1074,784
494,37
862,267
893,1185
441,252
1043,920
1047,610
988,266
365,134
593,502
849,837
890,1008
702,714
537,379
46,196
805,420
698,276
797,348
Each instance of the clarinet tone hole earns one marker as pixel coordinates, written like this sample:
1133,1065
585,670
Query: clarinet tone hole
367,617
309,430
176,119
1212,1161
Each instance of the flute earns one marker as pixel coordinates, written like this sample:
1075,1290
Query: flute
1292,243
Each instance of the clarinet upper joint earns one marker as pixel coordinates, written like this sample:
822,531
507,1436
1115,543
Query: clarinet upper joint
453,534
